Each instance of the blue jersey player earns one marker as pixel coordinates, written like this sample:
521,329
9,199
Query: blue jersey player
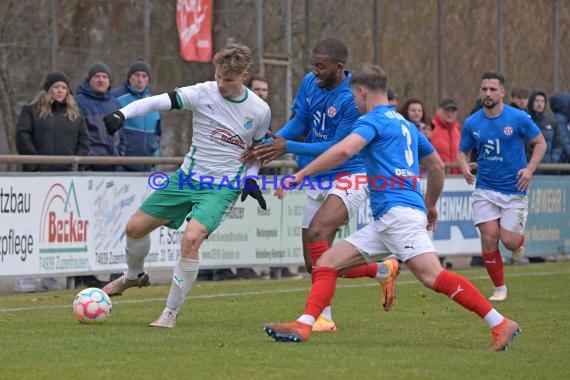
325,114
392,149
500,205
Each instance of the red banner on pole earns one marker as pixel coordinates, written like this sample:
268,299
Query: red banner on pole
194,22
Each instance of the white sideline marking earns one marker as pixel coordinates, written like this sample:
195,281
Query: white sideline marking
258,293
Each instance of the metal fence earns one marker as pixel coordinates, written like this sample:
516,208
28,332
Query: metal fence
173,162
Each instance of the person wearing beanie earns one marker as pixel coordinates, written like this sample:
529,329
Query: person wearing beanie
142,134
98,67
95,101
55,77
138,78
50,125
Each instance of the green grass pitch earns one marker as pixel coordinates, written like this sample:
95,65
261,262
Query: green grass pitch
219,333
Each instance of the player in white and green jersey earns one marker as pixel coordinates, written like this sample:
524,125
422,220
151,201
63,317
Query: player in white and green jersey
227,119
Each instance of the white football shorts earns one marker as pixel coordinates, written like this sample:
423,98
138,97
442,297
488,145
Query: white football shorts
511,210
401,231
352,196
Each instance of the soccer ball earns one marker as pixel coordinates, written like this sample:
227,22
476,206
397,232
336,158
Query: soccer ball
92,306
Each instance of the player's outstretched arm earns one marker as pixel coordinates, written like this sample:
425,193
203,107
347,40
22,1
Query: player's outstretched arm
270,151
114,121
336,155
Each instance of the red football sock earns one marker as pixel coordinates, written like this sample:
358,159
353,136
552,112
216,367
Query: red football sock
316,250
368,270
494,265
463,292
322,290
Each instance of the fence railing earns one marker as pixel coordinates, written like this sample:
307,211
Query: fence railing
76,161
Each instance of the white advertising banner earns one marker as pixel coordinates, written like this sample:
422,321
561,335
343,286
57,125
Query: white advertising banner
72,223
76,224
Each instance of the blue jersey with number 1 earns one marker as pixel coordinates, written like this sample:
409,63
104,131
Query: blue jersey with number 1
500,145
391,157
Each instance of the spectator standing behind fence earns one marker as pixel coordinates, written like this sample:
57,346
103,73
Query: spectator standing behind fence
560,106
549,128
50,125
519,97
95,101
142,133
446,133
413,110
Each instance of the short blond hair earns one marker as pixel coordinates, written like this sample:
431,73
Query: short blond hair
233,58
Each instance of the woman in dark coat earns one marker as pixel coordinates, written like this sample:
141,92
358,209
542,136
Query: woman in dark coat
50,125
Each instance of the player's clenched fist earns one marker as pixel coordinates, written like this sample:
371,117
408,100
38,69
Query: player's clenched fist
113,122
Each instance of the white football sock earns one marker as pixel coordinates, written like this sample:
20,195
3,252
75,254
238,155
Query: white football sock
502,288
493,318
184,275
382,272
136,251
327,313
306,319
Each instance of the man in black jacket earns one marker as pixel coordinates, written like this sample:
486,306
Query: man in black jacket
549,128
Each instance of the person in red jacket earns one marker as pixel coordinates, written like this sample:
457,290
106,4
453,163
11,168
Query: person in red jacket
446,134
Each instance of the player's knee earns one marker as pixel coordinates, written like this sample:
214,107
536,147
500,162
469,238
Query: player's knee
192,239
490,240
133,231
511,243
318,232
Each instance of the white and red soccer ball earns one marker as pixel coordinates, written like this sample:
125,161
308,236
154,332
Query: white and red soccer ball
92,306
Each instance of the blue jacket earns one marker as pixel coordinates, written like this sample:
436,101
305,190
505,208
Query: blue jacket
142,133
95,107
560,106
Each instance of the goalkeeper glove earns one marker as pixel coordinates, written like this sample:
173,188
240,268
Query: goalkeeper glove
113,122
251,188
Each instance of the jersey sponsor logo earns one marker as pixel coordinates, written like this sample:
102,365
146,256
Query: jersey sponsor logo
317,120
223,136
331,112
320,126
508,130
476,133
248,123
